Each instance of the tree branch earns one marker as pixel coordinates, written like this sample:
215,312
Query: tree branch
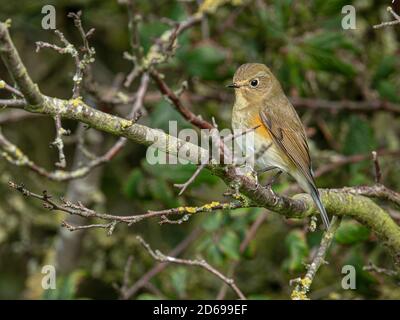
17,69
303,284
157,255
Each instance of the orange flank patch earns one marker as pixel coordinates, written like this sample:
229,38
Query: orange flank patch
262,129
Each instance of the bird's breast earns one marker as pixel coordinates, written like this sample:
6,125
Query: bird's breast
272,155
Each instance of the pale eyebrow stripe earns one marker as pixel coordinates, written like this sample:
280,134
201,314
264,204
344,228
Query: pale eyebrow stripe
261,74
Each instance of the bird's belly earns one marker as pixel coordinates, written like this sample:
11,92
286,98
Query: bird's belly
271,157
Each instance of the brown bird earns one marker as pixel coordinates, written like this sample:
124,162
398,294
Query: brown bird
260,102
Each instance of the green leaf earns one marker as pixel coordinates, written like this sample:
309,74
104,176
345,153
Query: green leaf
298,251
162,114
213,222
258,297
229,244
203,61
179,280
66,287
147,296
331,40
161,191
351,232
179,173
326,60
214,254
132,185
389,91
386,67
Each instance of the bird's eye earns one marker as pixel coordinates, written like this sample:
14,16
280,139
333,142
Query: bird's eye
254,83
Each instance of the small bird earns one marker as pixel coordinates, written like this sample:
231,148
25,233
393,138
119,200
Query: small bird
261,103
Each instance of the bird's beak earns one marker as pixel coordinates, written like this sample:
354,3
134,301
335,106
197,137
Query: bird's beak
233,85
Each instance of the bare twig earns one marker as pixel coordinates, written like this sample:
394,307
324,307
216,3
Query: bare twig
17,69
109,226
378,173
81,63
184,186
374,268
376,191
183,110
389,23
7,87
181,247
15,156
79,209
250,234
16,115
355,106
157,255
303,284
341,160
59,143
12,103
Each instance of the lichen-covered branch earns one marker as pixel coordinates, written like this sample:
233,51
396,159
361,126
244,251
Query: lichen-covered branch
337,202
302,285
78,209
16,68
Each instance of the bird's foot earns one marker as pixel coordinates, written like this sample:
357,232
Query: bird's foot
248,171
273,179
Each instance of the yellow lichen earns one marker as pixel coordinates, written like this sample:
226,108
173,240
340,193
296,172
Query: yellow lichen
126,124
8,23
211,205
190,209
76,102
210,6
298,295
305,282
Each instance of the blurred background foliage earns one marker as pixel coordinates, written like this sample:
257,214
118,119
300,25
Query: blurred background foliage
305,46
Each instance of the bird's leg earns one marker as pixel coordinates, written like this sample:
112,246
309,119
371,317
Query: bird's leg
275,176
273,179
268,168
247,170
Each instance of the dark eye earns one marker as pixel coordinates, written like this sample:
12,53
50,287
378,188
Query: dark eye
254,83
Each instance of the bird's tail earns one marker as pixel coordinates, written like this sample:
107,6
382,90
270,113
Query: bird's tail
317,199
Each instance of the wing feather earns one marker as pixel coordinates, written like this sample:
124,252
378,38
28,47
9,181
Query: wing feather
288,133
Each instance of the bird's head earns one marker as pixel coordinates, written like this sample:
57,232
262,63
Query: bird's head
254,82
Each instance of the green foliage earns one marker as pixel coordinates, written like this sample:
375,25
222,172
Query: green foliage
179,278
229,244
304,45
66,287
359,140
350,233
203,61
297,247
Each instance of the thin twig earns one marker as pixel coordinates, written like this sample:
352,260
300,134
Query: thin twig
378,173
59,143
183,110
372,267
250,234
79,209
181,247
157,255
184,186
11,89
303,284
389,23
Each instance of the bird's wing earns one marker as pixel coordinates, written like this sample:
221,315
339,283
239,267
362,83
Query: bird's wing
287,131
